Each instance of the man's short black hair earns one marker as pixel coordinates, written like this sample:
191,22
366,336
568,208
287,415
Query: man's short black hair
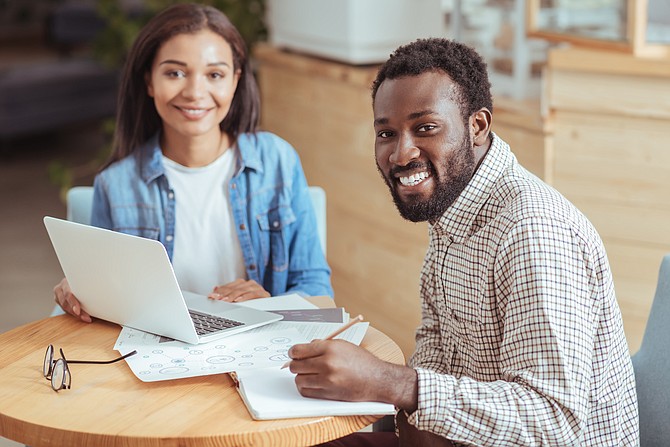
463,65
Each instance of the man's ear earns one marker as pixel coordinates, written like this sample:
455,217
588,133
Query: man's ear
480,126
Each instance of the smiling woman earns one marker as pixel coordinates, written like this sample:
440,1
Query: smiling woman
193,81
189,168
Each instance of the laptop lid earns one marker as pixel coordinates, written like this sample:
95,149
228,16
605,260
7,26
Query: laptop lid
129,280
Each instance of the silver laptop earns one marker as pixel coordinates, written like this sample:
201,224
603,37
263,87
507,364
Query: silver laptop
129,280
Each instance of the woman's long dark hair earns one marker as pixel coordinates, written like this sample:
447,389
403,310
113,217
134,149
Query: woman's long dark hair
136,116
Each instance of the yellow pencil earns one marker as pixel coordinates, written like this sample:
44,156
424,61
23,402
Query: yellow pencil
336,333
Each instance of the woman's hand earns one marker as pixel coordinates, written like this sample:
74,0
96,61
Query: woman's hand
239,290
70,304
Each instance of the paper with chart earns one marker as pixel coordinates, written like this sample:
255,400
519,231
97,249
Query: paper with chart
161,358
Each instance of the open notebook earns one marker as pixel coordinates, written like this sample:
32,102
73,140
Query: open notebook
270,393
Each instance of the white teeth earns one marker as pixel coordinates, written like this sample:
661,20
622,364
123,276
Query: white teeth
414,179
194,111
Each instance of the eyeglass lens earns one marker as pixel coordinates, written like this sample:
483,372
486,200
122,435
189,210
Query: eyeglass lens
48,361
60,376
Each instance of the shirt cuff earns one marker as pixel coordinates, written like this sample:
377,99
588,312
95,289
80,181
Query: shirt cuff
434,399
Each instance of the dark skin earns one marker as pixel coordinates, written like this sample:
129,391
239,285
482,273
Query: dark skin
417,119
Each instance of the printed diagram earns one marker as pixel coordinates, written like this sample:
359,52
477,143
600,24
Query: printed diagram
171,360
213,361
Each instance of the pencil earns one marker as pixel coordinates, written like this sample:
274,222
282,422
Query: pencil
336,333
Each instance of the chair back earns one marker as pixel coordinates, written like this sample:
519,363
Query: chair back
79,203
318,196
652,367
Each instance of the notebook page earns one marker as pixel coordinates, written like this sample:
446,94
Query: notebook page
270,393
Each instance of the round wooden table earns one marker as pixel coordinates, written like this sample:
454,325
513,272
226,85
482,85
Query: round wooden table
109,406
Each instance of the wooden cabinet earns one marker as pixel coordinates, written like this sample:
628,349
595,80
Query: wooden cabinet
610,115
324,109
639,27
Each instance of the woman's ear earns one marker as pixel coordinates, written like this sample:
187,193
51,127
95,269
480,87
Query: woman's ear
480,126
147,81
238,74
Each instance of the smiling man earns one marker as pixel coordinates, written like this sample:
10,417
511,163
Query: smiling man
521,341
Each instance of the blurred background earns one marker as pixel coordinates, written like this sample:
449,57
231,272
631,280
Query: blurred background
581,92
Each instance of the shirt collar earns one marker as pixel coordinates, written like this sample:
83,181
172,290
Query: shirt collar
248,154
459,218
151,161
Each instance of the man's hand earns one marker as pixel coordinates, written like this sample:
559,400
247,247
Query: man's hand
239,290
339,370
70,304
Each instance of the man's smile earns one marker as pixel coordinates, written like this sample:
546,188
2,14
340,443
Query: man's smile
414,179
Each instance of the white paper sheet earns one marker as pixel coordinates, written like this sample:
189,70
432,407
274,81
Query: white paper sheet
313,331
270,393
283,302
159,358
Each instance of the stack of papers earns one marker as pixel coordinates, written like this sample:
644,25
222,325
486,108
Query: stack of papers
159,358
254,359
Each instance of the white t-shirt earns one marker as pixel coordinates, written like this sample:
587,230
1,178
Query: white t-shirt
207,251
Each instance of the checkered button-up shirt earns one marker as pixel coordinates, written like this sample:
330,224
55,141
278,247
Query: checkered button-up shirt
521,341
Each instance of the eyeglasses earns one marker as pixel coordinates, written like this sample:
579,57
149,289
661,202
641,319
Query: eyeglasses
59,373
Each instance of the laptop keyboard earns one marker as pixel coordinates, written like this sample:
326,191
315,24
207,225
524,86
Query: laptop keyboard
206,324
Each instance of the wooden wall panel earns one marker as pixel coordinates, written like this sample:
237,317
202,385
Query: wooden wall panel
622,184
610,123
520,124
635,270
614,94
324,110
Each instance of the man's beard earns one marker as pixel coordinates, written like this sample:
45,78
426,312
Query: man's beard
459,172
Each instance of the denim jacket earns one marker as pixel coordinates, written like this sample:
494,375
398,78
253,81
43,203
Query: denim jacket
271,205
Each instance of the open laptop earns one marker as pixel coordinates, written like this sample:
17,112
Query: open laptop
129,280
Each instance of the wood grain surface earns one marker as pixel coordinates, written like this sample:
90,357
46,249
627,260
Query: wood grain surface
109,406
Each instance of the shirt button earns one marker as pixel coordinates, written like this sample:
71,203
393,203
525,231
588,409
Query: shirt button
169,238
275,224
171,195
243,227
252,267
234,186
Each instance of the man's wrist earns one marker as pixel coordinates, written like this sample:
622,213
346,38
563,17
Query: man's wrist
401,387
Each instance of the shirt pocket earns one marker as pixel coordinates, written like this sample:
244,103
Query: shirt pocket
275,234
136,220
147,233
461,315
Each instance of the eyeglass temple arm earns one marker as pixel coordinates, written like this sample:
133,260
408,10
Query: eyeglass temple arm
98,362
